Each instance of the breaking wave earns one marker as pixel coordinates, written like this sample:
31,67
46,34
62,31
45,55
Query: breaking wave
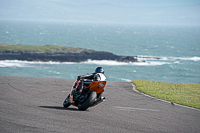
112,78
18,63
116,63
142,58
143,61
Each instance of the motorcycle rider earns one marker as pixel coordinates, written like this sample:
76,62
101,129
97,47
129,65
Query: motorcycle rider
98,75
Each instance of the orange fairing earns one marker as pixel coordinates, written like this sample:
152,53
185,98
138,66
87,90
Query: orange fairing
97,86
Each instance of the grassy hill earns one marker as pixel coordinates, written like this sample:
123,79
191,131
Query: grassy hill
35,48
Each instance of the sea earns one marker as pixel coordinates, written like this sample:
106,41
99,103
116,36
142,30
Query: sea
166,53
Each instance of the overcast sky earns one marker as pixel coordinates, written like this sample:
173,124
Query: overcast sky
103,11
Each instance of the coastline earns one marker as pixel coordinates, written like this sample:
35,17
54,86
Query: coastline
57,54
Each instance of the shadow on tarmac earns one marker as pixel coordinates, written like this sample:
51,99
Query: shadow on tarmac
59,108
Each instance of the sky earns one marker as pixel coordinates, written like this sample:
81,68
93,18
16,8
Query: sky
103,11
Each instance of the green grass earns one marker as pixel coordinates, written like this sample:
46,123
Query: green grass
187,94
39,48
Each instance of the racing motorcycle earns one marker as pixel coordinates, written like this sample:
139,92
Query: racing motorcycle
88,96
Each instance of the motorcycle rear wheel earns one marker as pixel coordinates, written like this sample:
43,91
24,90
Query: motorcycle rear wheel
89,101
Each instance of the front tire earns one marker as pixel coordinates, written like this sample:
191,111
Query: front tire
66,103
89,101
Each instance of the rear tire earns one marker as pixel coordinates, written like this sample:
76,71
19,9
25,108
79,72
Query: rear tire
89,101
66,103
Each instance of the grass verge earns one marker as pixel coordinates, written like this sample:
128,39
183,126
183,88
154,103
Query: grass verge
187,94
39,48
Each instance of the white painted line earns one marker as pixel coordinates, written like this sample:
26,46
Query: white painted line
133,109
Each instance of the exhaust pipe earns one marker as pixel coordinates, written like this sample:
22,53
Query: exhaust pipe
97,101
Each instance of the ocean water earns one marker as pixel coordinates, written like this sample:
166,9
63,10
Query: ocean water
166,53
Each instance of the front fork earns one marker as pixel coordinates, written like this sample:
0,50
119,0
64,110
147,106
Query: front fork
74,89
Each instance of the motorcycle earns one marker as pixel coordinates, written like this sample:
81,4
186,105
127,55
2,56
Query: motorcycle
88,96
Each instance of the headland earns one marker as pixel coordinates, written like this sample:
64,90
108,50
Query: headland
57,53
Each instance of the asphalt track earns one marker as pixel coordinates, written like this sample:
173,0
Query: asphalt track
35,105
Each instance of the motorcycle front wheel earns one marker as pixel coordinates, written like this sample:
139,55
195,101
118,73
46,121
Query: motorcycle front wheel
88,102
66,103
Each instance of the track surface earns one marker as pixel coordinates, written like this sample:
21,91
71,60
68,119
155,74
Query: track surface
35,105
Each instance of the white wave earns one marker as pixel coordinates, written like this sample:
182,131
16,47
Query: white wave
188,58
144,58
177,62
105,62
119,79
151,63
18,63
10,64
127,80
117,63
